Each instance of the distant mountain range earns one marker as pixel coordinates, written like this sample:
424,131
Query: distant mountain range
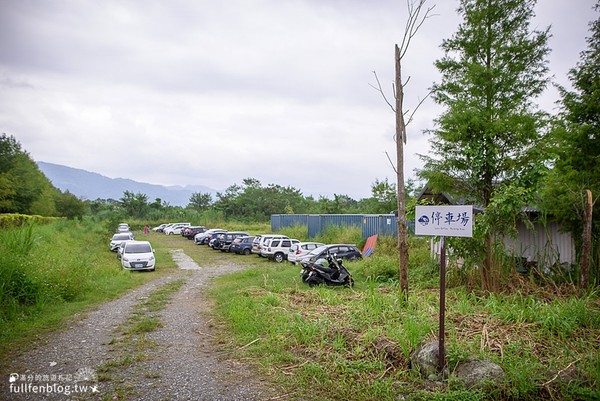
87,185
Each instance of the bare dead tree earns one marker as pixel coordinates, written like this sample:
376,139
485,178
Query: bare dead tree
416,17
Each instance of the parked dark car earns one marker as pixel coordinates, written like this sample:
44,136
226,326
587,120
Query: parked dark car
190,232
344,251
205,237
242,245
223,241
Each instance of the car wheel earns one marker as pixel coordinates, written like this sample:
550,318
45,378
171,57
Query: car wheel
278,257
246,251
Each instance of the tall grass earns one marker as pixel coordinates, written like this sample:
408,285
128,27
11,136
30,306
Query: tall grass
299,232
341,343
48,272
341,235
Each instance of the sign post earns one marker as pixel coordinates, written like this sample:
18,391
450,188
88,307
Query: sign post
443,221
441,333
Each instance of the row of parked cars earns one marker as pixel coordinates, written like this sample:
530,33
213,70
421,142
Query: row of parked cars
278,248
133,254
171,228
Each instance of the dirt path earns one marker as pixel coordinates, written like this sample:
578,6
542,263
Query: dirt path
127,350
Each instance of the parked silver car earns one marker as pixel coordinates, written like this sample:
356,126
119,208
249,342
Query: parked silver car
297,251
206,236
118,238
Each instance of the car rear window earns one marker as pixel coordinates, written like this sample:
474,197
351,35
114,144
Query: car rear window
138,248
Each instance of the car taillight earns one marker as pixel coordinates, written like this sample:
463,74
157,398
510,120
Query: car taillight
298,252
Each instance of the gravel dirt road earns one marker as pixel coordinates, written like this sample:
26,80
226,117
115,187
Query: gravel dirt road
127,350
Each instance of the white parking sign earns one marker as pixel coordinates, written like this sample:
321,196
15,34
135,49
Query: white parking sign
444,220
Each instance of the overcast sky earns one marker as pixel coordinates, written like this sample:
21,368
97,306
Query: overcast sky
186,92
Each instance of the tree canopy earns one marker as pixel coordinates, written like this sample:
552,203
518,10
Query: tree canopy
487,139
577,139
25,189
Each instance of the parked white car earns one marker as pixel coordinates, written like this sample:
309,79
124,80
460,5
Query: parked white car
120,248
123,228
277,249
175,229
160,227
297,251
118,238
137,255
260,242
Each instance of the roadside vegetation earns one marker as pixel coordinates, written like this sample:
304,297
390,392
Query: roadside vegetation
53,271
321,343
492,148
339,343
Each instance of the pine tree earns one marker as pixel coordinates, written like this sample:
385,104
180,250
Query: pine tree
493,68
577,140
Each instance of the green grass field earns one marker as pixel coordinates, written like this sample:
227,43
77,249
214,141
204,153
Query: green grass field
49,273
321,343
332,343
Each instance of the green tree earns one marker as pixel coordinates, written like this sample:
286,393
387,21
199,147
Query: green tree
199,201
385,196
70,206
487,139
340,204
253,201
21,181
226,201
134,205
158,204
46,203
577,142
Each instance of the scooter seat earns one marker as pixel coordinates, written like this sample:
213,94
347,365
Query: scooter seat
328,270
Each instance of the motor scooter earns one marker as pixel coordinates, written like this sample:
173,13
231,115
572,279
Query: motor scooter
335,275
307,266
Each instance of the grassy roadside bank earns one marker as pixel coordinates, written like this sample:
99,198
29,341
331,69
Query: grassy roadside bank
339,344
323,343
49,273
